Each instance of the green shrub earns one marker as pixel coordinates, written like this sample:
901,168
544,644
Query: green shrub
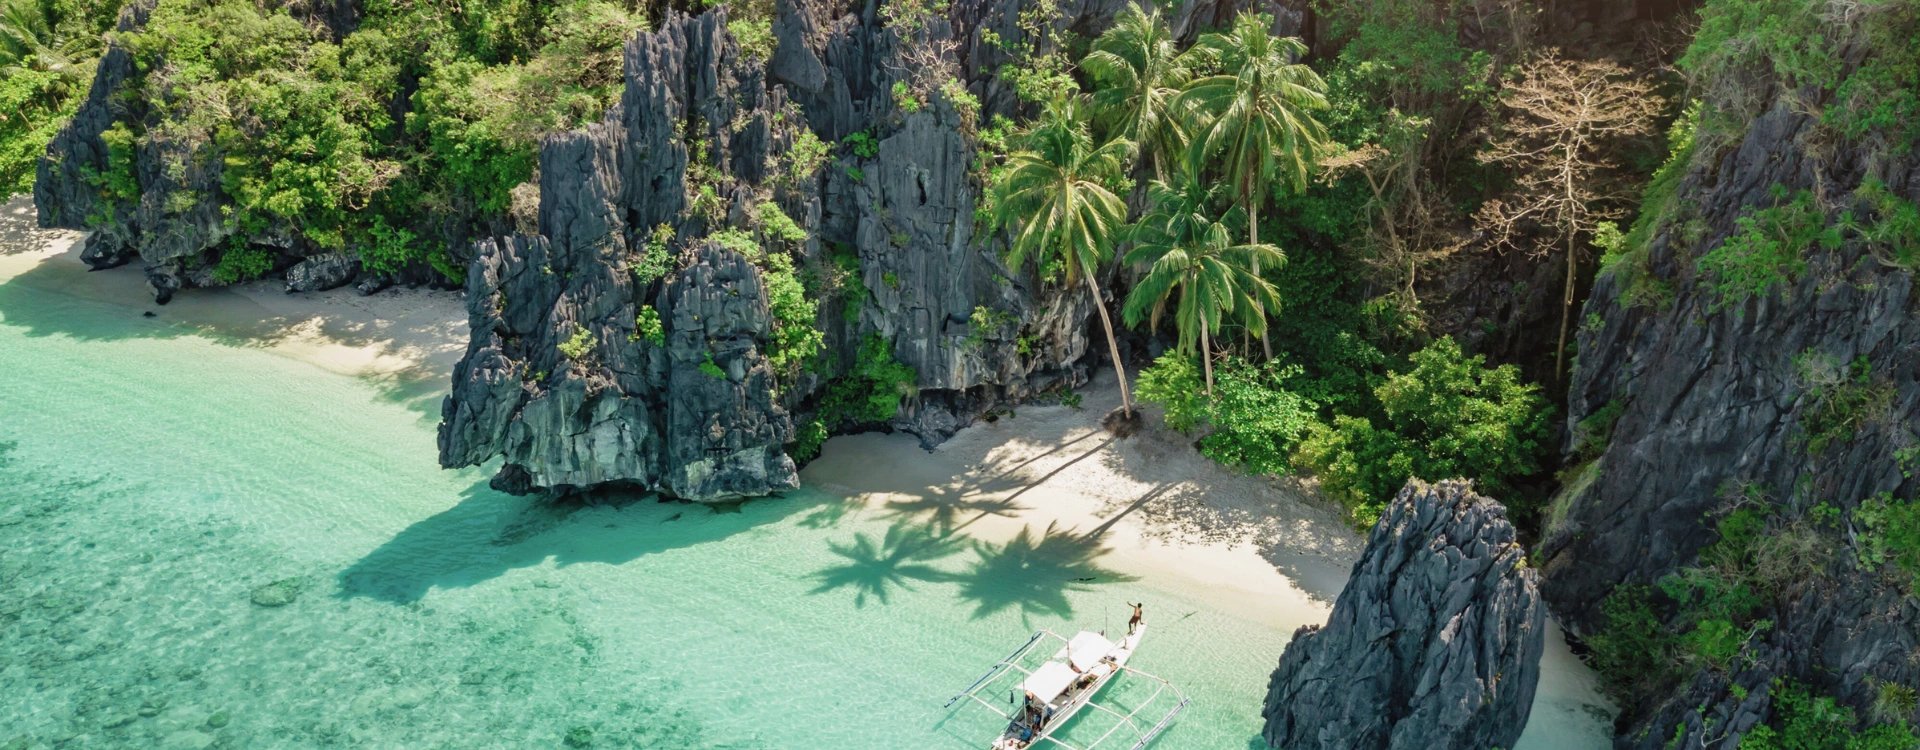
242,262
872,390
1768,250
806,157
776,224
648,326
1842,399
654,260
1447,416
862,144
796,338
1174,382
1889,532
905,98
807,441
754,35
1801,720
711,369
1894,232
1633,651
1659,205
579,345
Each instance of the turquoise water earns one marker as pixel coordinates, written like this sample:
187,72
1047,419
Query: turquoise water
155,485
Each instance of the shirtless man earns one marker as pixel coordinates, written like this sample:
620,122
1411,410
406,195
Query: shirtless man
1134,623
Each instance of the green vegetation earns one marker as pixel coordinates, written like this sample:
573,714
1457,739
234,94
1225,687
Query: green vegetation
1768,250
648,327
711,369
1058,194
240,262
1254,420
655,259
1800,43
1448,416
862,144
871,391
48,49
1893,231
805,157
985,322
1841,398
579,344
1802,720
369,144
1889,532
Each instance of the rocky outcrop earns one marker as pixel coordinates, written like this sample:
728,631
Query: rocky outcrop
701,140
1804,396
322,272
1434,643
168,207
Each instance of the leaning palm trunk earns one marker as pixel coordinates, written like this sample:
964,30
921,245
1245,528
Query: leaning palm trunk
1253,238
1206,352
1113,345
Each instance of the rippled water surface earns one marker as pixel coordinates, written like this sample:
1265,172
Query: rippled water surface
203,544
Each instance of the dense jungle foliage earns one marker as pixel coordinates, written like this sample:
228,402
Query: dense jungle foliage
367,142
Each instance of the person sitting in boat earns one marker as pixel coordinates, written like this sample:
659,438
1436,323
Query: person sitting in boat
1035,712
1134,623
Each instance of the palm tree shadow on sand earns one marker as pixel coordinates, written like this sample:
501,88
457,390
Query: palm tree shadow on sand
487,534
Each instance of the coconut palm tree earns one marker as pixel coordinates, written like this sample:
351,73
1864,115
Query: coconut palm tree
1256,114
1056,190
1193,263
1138,72
33,40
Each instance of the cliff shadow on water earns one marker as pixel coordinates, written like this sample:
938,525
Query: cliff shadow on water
488,534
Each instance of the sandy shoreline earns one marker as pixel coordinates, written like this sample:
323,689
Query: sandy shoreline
1149,507
407,335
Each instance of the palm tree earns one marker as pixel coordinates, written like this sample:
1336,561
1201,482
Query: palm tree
1056,190
1188,253
1138,72
1257,114
32,40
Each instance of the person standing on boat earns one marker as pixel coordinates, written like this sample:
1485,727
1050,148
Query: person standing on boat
1134,623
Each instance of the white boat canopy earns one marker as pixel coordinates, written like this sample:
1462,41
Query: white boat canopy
1087,648
1049,681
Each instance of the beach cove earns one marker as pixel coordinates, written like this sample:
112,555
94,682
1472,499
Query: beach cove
224,526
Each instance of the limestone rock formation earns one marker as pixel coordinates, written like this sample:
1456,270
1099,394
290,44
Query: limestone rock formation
1434,643
700,142
1694,402
322,272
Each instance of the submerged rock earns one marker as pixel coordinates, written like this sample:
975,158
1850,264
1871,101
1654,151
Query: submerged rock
1434,643
279,593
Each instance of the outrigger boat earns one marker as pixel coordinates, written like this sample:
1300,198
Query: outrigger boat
1051,693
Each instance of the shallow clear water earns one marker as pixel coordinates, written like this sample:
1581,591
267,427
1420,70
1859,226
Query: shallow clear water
154,484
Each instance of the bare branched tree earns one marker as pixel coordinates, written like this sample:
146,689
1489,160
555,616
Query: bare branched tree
1402,235
1562,125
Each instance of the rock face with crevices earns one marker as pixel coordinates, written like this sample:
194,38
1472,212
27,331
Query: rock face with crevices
1696,404
701,140
1434,643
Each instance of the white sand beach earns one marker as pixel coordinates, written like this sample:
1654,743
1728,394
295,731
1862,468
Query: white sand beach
1265,550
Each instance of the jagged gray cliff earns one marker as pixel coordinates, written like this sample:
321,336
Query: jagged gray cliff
701,138
1798,404
1434,643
